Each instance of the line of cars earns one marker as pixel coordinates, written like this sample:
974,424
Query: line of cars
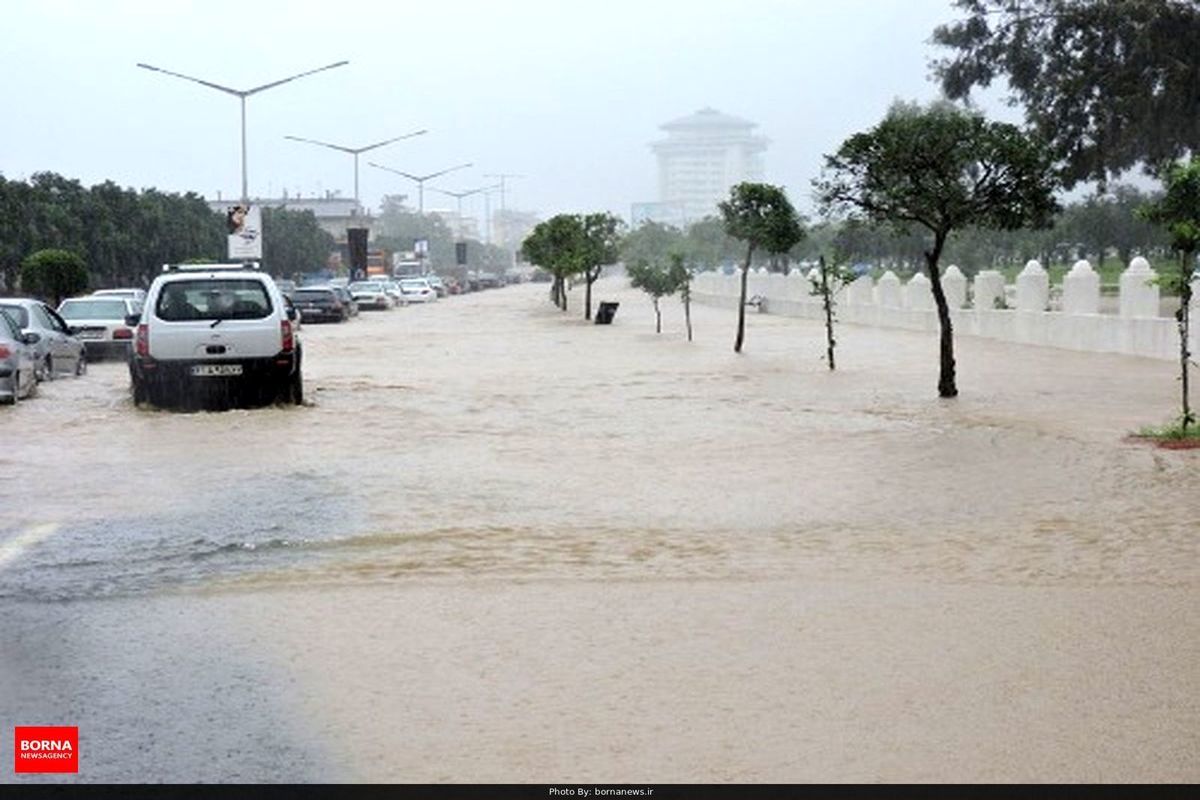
338,301
39,343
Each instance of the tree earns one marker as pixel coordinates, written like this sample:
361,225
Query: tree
681,276
655,280
557,246
293,242
761,216
651,242
706,243
54,274
942,169
829,280
601,247
1106,83
1179,213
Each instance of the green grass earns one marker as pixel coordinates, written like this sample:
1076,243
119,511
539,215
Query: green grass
1174,432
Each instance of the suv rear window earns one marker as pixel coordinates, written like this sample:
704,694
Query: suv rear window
209,298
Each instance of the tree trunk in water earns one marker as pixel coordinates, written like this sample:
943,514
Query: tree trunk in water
946,381
657,317
687,313
1185,301
828,301
587,311
741,329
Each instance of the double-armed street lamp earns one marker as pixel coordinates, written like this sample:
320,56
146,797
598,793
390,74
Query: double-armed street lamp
420,179
242,94
356,151
459,197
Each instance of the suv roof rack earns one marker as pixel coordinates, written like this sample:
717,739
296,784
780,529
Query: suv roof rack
213,267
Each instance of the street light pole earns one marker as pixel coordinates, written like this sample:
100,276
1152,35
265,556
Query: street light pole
356,151
242,94
459,197
420,179
503,176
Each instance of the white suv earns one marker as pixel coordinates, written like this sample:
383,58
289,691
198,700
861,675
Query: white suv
209,328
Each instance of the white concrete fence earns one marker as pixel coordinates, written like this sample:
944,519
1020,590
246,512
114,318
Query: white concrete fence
1137,328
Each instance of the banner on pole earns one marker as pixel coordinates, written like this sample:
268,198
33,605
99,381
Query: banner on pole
244,225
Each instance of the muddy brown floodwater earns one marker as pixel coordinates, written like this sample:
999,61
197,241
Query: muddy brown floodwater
501,544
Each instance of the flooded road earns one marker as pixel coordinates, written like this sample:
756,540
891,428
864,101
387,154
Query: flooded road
501,544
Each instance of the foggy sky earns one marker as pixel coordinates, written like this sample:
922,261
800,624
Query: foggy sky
568,94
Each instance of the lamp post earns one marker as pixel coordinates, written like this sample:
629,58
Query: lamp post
503,176
356,151
420,179
242,94
459,197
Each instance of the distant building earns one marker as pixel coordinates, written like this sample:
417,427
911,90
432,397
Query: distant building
334,214
703,155
464,227
510,227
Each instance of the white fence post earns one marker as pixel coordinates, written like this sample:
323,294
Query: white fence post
1139,296
1081,290
989,287
887,291
954,284
918,292
1033,287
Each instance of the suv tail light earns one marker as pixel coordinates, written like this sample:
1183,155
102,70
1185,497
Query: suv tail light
285,330
4,351
122,333
143,340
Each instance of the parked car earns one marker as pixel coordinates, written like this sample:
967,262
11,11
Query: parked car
394,291
320,304
133,294
438,285
370,294
285,286
346,298
18,367
417,290
216,329
57,349
100,323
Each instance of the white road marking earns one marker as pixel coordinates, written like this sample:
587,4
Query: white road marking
14,547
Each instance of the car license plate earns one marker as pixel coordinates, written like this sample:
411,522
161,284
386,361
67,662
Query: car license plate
89,335
216,370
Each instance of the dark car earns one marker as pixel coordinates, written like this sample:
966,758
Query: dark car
320,304
347,299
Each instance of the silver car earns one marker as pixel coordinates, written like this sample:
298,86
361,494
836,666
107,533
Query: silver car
57,351
18,370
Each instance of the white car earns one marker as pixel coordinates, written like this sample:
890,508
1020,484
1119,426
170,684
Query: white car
101,324
417,290
370,294
216,329
132,294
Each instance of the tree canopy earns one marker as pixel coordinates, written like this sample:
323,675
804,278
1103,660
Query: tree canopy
942,169
1108,84
557,246
54,274
763,218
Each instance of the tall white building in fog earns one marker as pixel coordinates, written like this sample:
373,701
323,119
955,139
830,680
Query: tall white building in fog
703,155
